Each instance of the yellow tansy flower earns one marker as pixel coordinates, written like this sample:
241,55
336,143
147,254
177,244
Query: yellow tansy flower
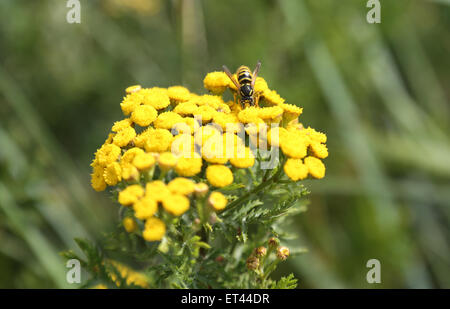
156,97
290,111
295,169
144,161
176,204
129,224
319,150
108,154
205,113
272,97
167,120
213,101
205,133
250,115
201,189
214,150
183,145
178,94
216,82
219,175
181,185
228,122
315,167
189,167
124,137
270,113
113,174
293,146
145,208
130,195
130,154
167,160
129,171
158,140
154,229
120,125
134,88
131,276
315,135
157,190
130,102
144,115
186,108
243,159
260,85
276,135
97,180
217,201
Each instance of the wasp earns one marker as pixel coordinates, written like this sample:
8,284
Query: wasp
245,84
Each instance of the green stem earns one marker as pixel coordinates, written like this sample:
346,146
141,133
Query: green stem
256,190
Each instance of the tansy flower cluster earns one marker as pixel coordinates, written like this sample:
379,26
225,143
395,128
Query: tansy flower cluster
175,148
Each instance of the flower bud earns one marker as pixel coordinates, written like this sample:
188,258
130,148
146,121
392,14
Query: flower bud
252,263
282,253
129,224
201,189
132,89
260,251
219,259
273,242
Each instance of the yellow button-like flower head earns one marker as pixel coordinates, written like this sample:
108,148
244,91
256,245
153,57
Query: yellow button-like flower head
120,125
130,195
189,167
113,174
97,180
130,154
219,175
168,120
156,97
216,82
181,185
157,190
144,115
319,150
243,159
176,204
295,169
158,140
154,229
108,154
134,88
315,167
217,201
144,161
167,160
124,136
129,224
178,94
145,208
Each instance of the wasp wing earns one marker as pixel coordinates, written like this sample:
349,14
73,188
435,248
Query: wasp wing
255,73
225,69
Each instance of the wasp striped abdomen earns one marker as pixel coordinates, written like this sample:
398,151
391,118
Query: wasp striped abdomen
244,75
245,84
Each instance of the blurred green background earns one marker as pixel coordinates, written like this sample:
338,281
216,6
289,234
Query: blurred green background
380,92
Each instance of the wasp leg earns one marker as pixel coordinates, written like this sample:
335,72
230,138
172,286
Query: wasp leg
257,96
